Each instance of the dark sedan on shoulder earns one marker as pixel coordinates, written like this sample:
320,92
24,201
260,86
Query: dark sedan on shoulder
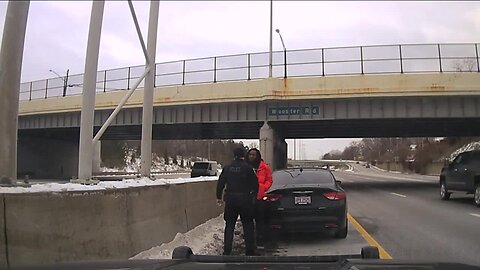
306,200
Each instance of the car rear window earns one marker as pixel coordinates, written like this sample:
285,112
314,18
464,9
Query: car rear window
472,158
306,177
201,165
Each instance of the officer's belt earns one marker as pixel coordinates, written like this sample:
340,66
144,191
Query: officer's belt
238,193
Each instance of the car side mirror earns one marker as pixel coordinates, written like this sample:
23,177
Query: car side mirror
338,182
448,163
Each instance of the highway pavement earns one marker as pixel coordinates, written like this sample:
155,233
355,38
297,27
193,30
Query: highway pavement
402,214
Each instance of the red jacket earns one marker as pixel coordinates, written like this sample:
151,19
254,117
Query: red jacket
264,175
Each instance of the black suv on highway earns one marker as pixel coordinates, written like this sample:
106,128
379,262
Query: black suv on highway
462,174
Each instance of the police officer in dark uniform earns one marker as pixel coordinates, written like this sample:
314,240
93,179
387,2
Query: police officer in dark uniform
240,195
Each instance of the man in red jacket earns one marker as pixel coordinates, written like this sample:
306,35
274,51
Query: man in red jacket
264,175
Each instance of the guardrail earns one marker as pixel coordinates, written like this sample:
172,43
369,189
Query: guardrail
357,60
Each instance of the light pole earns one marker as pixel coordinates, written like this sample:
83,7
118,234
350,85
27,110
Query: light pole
209,142
294,149
64,79
284,54
270,58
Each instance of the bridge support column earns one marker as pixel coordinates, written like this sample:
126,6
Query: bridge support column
273,148
11,55
267,144
281,153
88,94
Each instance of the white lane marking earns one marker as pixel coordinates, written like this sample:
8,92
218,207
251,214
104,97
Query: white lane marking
377,180
416,180
398,178
399,195
475,215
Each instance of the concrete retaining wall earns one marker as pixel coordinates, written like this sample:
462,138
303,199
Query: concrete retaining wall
44,228
434,168
431,169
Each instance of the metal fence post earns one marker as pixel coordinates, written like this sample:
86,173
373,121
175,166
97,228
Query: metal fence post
476,53
46,88
183,73
104,81
215,69
323,62
31,90
439,58
285,64
361,58
128,79
401,59
248,55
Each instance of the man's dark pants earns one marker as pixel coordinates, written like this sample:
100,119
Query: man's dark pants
239,204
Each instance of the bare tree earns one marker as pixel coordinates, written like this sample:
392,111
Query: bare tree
466,65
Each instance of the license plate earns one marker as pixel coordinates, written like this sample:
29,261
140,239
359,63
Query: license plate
303,200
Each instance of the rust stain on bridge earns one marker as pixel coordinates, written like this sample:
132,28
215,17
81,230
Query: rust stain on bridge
318,91
436,87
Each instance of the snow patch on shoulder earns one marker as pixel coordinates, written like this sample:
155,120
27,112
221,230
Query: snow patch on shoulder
103,185
205,239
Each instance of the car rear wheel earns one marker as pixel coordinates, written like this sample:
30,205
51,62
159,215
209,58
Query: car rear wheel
444,194
342,232
477,195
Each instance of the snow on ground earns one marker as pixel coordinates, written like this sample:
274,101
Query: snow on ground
102,185
467,147
105,169
205,239
159,164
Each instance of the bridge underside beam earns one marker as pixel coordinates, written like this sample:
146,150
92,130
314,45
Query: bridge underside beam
352,128
440,107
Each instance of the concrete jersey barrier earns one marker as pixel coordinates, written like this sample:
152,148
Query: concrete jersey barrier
44,228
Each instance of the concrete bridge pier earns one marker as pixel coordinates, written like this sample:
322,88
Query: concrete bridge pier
51,158
281,157
273,147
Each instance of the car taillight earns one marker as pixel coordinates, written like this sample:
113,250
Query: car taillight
335,196
272,197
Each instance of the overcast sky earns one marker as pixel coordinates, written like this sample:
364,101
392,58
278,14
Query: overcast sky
57,32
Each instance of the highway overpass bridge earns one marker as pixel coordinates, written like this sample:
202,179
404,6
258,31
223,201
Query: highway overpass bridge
372,91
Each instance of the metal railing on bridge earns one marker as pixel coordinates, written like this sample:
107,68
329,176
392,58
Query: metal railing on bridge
357,60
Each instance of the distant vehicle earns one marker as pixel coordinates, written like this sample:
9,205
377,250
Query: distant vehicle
306,200
204,168
462,174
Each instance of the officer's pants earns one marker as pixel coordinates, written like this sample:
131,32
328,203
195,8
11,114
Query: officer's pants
239,205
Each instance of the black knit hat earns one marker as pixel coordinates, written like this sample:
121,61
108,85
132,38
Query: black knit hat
239,152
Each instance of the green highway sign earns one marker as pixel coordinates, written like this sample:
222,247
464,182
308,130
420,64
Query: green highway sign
293,110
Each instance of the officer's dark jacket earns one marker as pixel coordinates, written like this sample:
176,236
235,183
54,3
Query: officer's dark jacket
239,177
